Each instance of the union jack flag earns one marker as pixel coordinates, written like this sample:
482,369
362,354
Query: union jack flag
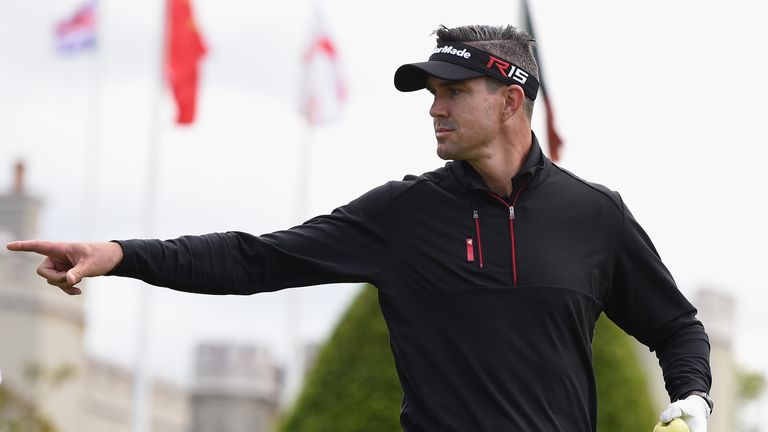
78,32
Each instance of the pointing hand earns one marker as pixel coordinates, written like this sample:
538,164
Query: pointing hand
67,263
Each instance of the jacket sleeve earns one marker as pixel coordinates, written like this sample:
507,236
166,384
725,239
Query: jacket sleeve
348,245
646,303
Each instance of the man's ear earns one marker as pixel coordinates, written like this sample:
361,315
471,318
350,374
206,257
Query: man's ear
513,101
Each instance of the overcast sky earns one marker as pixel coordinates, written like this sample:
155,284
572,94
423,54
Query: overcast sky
663,101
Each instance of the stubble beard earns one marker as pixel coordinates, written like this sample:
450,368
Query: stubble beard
447,147
447,150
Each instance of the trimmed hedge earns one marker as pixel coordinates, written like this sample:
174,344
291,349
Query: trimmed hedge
624,402
354,387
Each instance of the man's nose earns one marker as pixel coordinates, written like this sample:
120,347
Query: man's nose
437,109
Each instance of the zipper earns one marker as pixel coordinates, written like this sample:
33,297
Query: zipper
512,239
512,227
476,217
512,230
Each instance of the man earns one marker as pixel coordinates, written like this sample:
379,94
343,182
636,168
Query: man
491,270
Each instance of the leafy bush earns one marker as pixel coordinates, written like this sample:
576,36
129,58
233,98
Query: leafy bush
17,414
624,401
353,386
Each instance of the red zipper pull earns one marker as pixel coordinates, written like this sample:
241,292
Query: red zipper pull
470,250
476,217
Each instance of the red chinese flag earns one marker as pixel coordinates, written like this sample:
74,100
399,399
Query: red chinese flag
184,47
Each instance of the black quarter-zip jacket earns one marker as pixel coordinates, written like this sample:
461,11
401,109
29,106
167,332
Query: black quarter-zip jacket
490,301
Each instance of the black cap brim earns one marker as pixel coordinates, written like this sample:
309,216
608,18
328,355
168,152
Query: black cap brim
413,76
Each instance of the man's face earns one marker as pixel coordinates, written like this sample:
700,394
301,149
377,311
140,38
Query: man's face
467,116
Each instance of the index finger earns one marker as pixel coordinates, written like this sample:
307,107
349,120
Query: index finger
39,246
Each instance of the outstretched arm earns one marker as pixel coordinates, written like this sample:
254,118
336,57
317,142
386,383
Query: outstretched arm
67,263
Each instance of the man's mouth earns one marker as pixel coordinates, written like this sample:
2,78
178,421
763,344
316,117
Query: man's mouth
442,131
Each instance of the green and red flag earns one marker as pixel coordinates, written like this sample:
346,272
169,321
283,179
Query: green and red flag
555,143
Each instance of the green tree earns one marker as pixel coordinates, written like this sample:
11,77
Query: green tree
354,387
17,414
750,386
624,402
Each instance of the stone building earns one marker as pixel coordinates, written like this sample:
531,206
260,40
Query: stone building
42,355
716,312
108,404
41,330
236,389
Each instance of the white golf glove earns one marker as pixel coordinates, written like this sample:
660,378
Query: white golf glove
693,410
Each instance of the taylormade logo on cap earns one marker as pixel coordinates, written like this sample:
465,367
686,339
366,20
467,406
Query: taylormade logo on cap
449,49
467,57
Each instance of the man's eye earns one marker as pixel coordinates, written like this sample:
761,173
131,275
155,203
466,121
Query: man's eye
453,91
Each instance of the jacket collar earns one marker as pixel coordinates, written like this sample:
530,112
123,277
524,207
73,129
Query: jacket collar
535,162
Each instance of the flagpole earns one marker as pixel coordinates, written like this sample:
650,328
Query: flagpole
75,34
293,298
321,95
142,388
92,148
554,141
304,174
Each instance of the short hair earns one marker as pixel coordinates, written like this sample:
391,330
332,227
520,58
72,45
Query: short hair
505,41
